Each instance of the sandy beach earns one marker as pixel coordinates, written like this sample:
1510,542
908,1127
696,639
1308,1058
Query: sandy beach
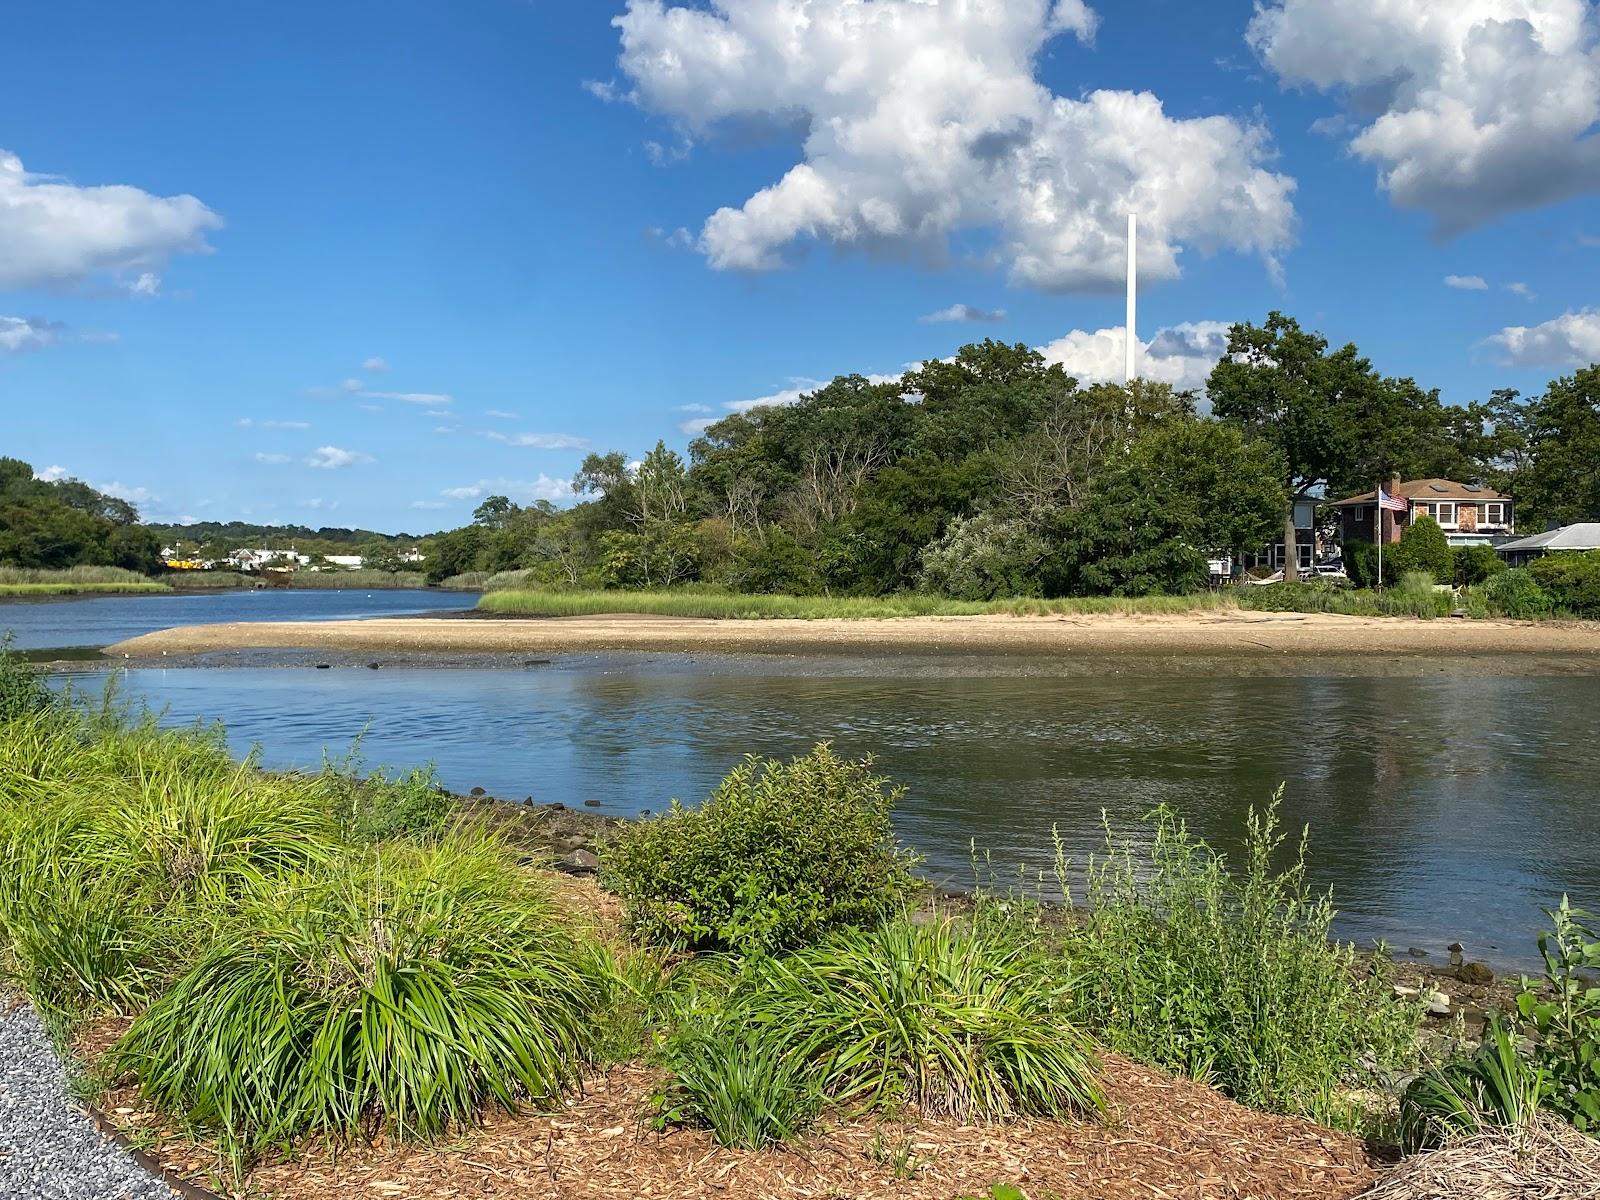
1207,633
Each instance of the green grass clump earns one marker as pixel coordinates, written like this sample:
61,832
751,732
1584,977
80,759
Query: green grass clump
955,1021
22,689
778,855
123,846
1415,596
403,989
381,807
1496,1088
1228,974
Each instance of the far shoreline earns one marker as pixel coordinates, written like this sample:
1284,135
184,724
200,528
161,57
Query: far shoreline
1207,634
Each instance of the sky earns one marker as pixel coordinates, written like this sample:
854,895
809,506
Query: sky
364,263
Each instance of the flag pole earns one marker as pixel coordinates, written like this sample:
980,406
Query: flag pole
1377,530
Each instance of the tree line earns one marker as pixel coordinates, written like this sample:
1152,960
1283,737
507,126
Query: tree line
59,523
998,474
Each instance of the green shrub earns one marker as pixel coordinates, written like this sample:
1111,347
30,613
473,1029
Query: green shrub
1571,580
1472,565
1422,547
1496,1088
1517,594
22,691
381,807
747,1087
1229,975
1566,1015
957,1022
985,557
1361,564
406,988
776,856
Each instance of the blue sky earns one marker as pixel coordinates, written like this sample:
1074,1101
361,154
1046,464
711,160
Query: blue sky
431,251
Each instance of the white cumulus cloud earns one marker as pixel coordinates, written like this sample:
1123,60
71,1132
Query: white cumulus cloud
521,490
331,458
57,234
922,121
1181,355
375,364
1467,108
426,399
1466,283
1570,340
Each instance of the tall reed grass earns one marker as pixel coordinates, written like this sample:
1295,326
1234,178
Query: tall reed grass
767,607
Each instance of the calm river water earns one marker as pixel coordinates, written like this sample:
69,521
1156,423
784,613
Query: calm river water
1441,807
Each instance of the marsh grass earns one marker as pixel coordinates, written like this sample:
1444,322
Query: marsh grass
774,607
29,581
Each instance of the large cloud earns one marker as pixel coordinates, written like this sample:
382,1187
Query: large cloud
1181,355
1570,340
1468,108
922,121
56,234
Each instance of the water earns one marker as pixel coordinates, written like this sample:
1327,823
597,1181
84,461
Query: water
1441,808
102,620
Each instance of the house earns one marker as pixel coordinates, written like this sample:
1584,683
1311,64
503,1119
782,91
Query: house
353,562
1583,536
1469,515
1308,548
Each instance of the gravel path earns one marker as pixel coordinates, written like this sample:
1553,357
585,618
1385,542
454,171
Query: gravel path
49,1150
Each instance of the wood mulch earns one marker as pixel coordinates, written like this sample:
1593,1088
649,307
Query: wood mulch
1168,1138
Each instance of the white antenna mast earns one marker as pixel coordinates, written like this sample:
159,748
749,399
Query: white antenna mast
1131,339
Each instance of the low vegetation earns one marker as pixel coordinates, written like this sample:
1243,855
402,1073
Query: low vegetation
34,581
1227,972
778,855
337,955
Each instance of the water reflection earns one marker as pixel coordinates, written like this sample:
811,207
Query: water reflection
1441,808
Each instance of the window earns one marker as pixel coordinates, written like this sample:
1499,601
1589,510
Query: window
1494,513
1442,511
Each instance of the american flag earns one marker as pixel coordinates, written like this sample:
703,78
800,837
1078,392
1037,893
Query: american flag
1394,503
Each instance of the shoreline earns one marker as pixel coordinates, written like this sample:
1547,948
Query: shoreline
1262,636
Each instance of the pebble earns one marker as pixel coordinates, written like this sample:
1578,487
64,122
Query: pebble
49,1149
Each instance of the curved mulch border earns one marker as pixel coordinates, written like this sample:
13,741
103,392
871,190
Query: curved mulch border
148,1162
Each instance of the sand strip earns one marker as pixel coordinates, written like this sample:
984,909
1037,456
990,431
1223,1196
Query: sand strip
1212,633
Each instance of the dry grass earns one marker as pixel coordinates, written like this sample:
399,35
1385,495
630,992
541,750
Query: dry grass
1550,1160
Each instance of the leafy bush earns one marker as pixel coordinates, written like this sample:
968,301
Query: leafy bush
380,807
1416,598
1496,1088
957,1022
1566,1016
774,564
1361,564
1472,565
985,557
22,691
1517,594
1229,976
1423,547
777,855
405,988
1571,580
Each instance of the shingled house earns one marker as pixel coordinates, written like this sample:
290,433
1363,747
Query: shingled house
1468,514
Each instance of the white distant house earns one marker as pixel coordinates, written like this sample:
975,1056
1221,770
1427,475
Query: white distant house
1583,536
260,560
352,562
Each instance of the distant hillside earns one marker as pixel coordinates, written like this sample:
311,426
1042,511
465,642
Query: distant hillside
216,538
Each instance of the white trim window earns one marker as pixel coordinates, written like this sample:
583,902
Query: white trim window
1494,513
1442,511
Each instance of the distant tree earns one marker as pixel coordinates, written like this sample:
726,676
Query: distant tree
1187,490
1334,420
494,512
1561,481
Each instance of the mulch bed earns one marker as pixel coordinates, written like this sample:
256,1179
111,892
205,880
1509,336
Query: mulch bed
1168,1138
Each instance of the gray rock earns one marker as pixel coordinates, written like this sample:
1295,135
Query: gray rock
583,861
49,1149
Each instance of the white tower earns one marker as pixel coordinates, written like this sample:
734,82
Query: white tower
1131,338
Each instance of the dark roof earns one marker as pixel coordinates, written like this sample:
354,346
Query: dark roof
1428,489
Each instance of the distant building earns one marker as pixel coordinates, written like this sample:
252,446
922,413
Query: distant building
1583,536
261,560
353,562
1307,547
1469,515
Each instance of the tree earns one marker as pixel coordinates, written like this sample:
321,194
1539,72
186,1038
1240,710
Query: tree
1187,490
1332,418
1561,482
494,512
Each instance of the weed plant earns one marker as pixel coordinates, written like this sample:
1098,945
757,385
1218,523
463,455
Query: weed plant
1496,1088
778,855
1228,975
1564,1015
